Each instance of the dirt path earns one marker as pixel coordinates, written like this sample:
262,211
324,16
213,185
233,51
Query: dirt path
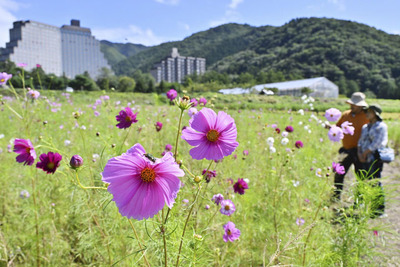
390,247
388,239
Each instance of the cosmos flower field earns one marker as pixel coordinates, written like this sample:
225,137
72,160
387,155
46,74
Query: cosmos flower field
107,179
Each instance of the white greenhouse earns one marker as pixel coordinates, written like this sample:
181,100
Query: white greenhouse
316,87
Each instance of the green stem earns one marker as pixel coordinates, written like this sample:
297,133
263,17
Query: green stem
87,187
13,111
140,245
36,223
184,228
188,217
164,238
177,135
186,169
123,142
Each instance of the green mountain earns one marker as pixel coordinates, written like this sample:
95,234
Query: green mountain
116,52
353,55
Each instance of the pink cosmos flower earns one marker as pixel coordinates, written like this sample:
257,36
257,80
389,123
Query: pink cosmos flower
347,128
202,101
335,134
141,184
339,169
194,101
126,118
168,147
172,94
49,162
192,111
33,94
217,198
22,65
209,174
227,207
240,186
245,153
299,144
26,152
214,136
300,221
231,232
158,126
4,77
38,66
332,114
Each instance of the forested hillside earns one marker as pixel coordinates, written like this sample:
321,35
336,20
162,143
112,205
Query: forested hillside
353,55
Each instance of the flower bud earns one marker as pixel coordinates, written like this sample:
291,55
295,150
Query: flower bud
198,179
98,134
76,162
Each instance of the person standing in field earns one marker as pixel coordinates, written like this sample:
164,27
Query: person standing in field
374,135
348,151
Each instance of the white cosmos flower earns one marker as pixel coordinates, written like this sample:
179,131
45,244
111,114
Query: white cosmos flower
284,141
285,134
270,141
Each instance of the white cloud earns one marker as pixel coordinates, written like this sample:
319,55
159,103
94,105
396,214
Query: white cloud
168,2
235,3
132,34
7,7
339,4
231,15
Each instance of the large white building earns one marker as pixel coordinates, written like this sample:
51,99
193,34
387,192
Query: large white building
69,50
175,67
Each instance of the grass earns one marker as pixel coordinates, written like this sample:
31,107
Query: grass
63,224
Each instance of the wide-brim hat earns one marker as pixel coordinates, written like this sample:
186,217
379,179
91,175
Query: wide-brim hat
377,110
357,99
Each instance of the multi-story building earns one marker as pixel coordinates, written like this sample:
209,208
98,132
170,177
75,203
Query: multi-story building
175,67
69,50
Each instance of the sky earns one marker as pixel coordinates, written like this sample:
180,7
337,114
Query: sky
151,22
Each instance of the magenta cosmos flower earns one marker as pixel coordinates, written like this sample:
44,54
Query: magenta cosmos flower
49,162
335,134
289,129
214,136
141,184
158,126
339,169
227,207
4,77
240,186
231,232
126,118
26,152
347,128
172,94
332,114
299,144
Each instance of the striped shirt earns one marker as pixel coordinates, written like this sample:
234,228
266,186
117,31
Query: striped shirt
373,136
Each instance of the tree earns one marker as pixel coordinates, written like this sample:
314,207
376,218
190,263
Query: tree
83,82
106,79
126,84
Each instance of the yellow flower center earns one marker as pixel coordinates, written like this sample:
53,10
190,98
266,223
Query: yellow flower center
2,80
212,135
229,232
127,119
148,175
28,150
227,207
50,165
